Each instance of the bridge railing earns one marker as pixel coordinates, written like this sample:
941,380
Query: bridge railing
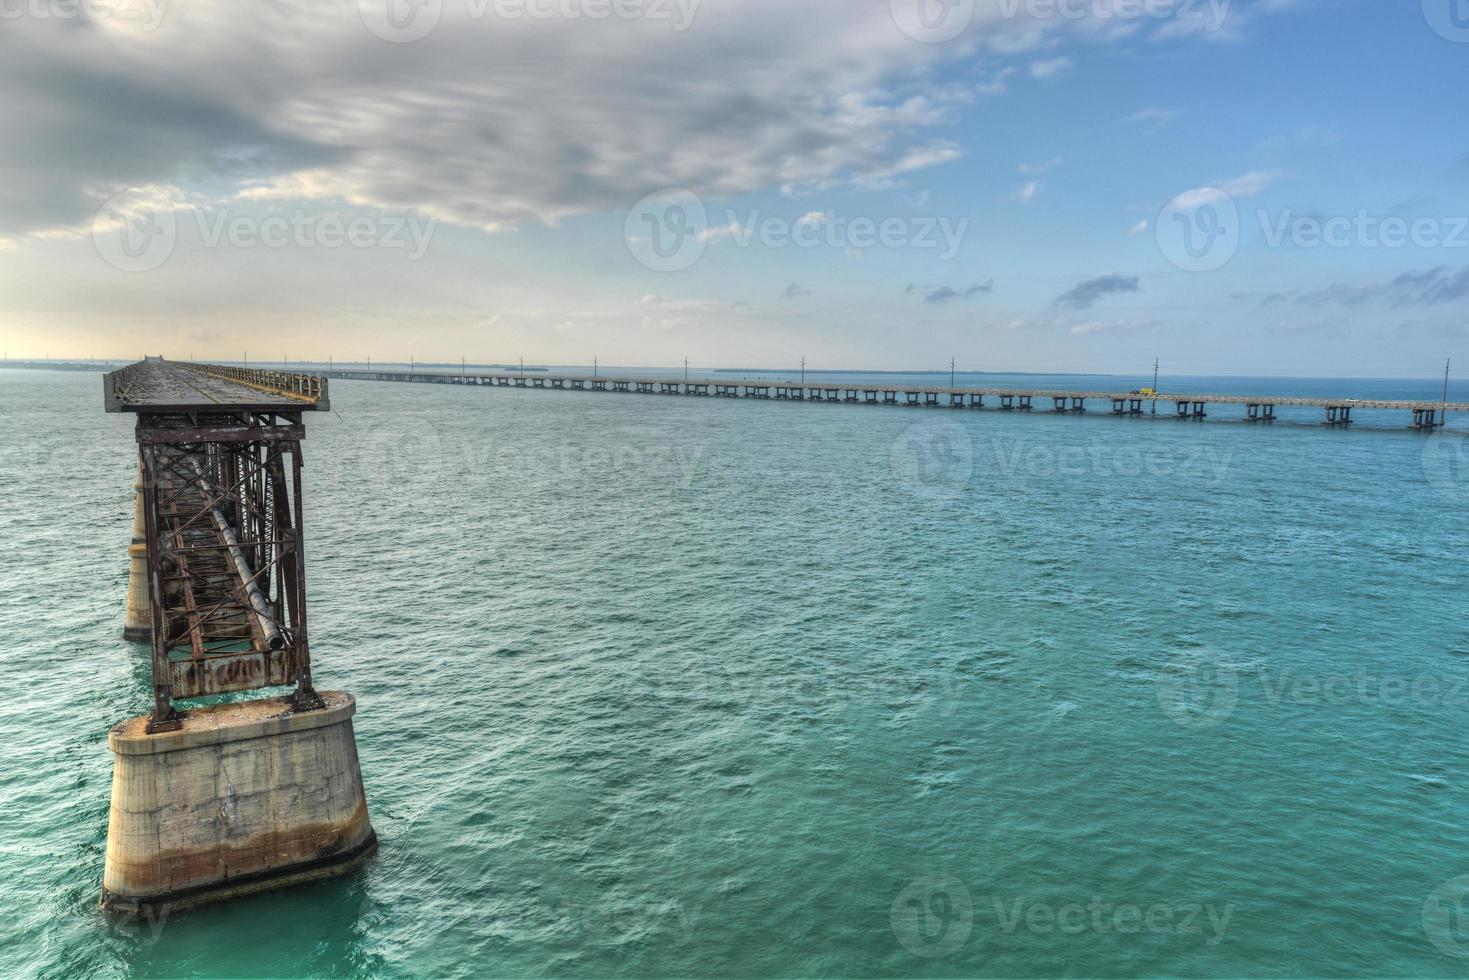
307,387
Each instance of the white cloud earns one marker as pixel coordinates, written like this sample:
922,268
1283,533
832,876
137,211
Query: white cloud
813,218
1153,119
486,122
1141,228
1028,191
1252,183
1214,21
1246,185
1040,168
719,233
1050,67
1093,328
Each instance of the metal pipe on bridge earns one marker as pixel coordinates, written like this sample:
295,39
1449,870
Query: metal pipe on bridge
258,602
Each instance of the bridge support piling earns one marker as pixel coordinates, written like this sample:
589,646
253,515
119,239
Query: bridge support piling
1426,418
137,624
1192,409
243,798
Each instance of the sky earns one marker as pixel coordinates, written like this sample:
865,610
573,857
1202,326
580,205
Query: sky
1255,187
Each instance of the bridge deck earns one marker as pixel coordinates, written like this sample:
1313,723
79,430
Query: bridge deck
156,385
540,380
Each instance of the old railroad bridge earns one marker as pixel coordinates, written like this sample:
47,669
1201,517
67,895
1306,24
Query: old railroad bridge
1426,415
213,801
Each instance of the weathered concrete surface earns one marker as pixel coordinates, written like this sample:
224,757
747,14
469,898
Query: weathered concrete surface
244,798
137,625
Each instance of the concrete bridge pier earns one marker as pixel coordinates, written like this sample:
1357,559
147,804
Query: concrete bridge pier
137,624
243,798
1426,418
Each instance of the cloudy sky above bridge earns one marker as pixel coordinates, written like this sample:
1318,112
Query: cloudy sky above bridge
1255,186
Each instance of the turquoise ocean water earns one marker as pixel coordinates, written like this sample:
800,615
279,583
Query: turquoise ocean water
669,686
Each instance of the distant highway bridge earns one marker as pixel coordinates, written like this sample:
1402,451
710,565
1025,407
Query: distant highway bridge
1426,415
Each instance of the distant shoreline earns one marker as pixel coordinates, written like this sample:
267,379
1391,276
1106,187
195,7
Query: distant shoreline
909,374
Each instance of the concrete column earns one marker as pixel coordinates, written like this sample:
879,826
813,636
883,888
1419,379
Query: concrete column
244,798
137,624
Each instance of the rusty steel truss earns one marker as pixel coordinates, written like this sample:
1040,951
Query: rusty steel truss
220,459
